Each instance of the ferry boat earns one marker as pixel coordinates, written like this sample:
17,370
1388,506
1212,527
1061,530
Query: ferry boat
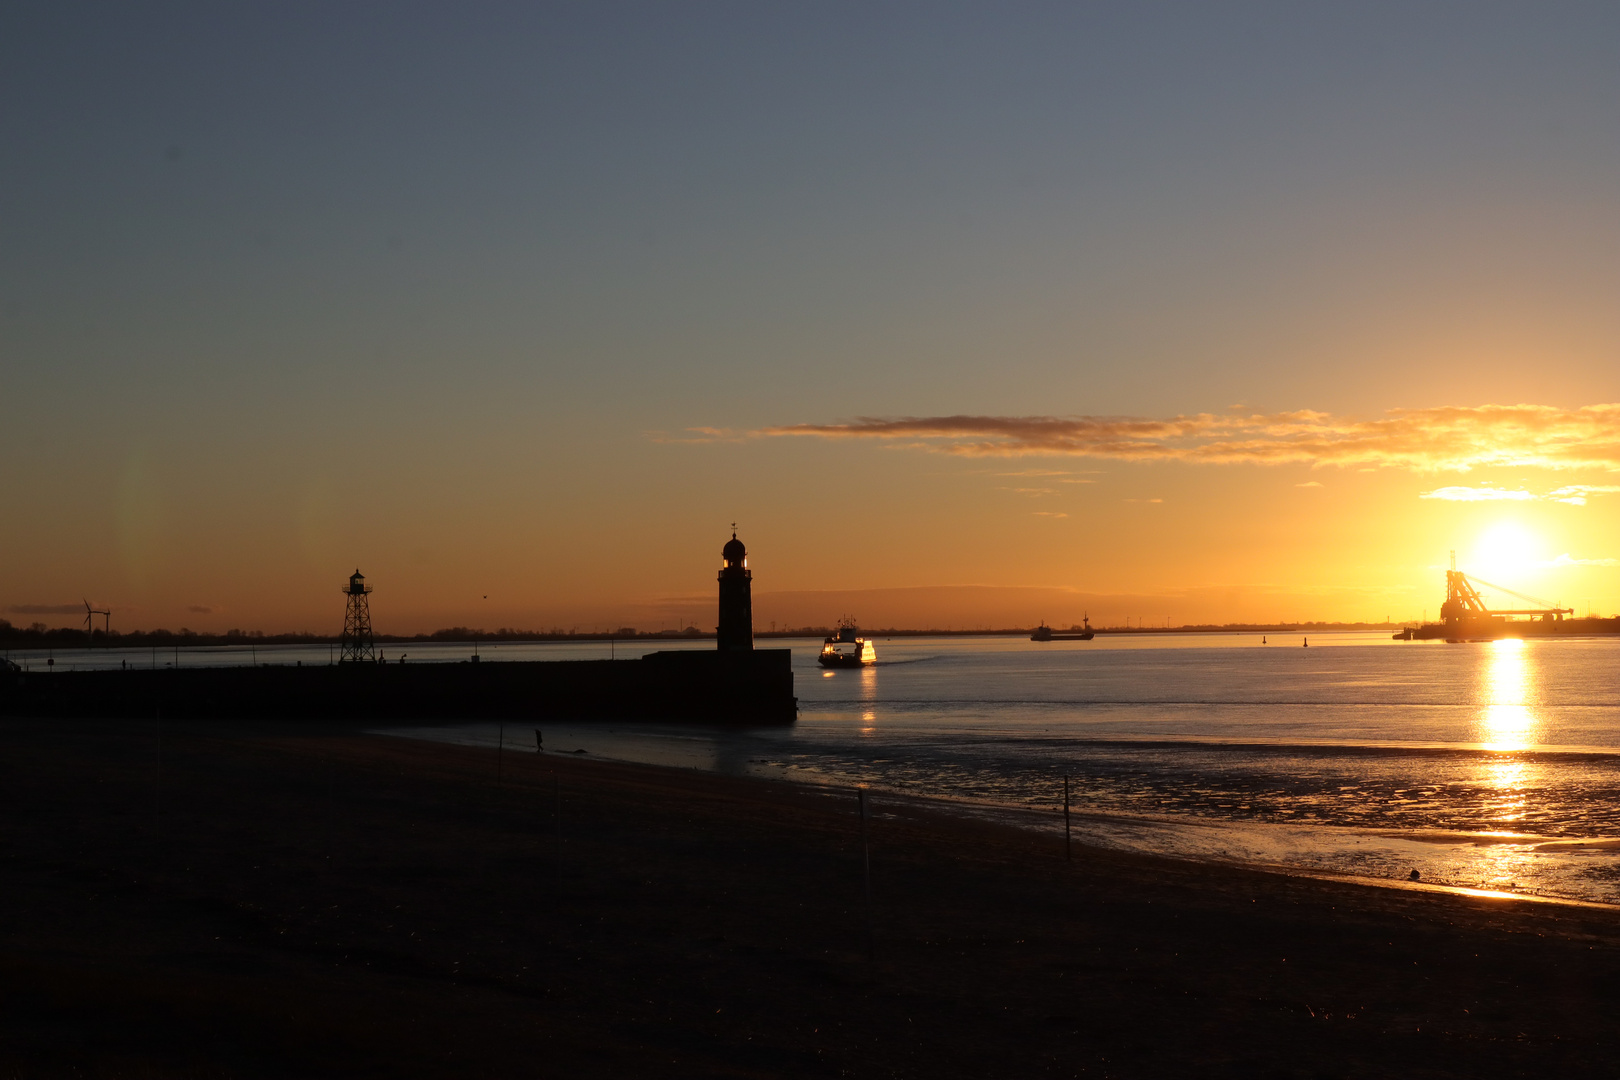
1083,632
845,647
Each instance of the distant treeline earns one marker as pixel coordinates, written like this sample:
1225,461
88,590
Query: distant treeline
40,636
37,635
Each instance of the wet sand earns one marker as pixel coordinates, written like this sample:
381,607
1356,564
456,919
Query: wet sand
211,901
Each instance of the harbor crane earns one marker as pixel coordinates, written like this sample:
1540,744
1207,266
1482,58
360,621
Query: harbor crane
1463,604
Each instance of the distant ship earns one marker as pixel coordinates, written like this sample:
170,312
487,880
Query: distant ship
1083,632
845,647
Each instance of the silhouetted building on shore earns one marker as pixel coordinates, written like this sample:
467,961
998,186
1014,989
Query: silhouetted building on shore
736,630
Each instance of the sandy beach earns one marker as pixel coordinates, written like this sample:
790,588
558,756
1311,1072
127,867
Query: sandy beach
195,900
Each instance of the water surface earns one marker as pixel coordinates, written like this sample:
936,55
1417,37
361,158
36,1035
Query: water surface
1491,765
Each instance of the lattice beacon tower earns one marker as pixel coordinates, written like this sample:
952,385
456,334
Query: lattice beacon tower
357,646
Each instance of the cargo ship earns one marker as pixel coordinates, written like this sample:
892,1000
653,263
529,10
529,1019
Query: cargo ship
1083,632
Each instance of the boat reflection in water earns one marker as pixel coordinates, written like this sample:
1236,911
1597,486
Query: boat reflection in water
845,647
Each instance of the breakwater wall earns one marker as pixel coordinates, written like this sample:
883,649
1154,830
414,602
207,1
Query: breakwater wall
695,687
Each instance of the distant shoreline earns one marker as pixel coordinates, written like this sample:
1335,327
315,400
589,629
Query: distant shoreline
68,638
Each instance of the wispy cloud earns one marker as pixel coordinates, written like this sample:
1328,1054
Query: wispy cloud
1478,494
1446,438
1050,514
1310,483
1565,560
700,435
46,609
1574,494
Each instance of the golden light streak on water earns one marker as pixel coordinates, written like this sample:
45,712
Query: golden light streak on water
1504,866
1508,776
869,682
1508,722
868,696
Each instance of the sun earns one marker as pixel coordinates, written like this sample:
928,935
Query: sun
1506,549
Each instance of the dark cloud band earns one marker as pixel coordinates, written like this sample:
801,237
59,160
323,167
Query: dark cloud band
1455,438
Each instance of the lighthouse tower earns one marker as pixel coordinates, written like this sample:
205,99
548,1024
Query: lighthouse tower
357,645
736,630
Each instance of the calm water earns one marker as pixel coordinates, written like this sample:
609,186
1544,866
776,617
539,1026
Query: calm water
1484,765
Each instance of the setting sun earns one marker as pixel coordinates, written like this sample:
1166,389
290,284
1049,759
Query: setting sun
1506,550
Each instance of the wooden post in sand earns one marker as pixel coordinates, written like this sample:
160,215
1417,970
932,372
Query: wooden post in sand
157,815
331,802
866,861
1068,852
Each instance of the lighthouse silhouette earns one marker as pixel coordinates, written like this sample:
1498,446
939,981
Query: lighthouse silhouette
736,630
358,645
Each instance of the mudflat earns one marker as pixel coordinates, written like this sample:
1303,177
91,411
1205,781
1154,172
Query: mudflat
211,900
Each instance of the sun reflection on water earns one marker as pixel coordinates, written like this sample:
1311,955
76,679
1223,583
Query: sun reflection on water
1508,723
1508,775
1504,865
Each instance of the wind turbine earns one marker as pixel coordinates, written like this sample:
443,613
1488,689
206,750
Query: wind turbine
89,625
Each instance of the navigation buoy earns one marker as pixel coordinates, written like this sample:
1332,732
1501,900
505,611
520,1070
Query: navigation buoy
1307,643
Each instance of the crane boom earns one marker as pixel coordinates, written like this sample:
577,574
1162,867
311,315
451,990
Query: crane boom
1542,604
1464,605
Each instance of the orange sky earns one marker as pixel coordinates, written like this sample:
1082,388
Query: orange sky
1249,315
893,532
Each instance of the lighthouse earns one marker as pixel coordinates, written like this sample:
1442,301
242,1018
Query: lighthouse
736,630
357,642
